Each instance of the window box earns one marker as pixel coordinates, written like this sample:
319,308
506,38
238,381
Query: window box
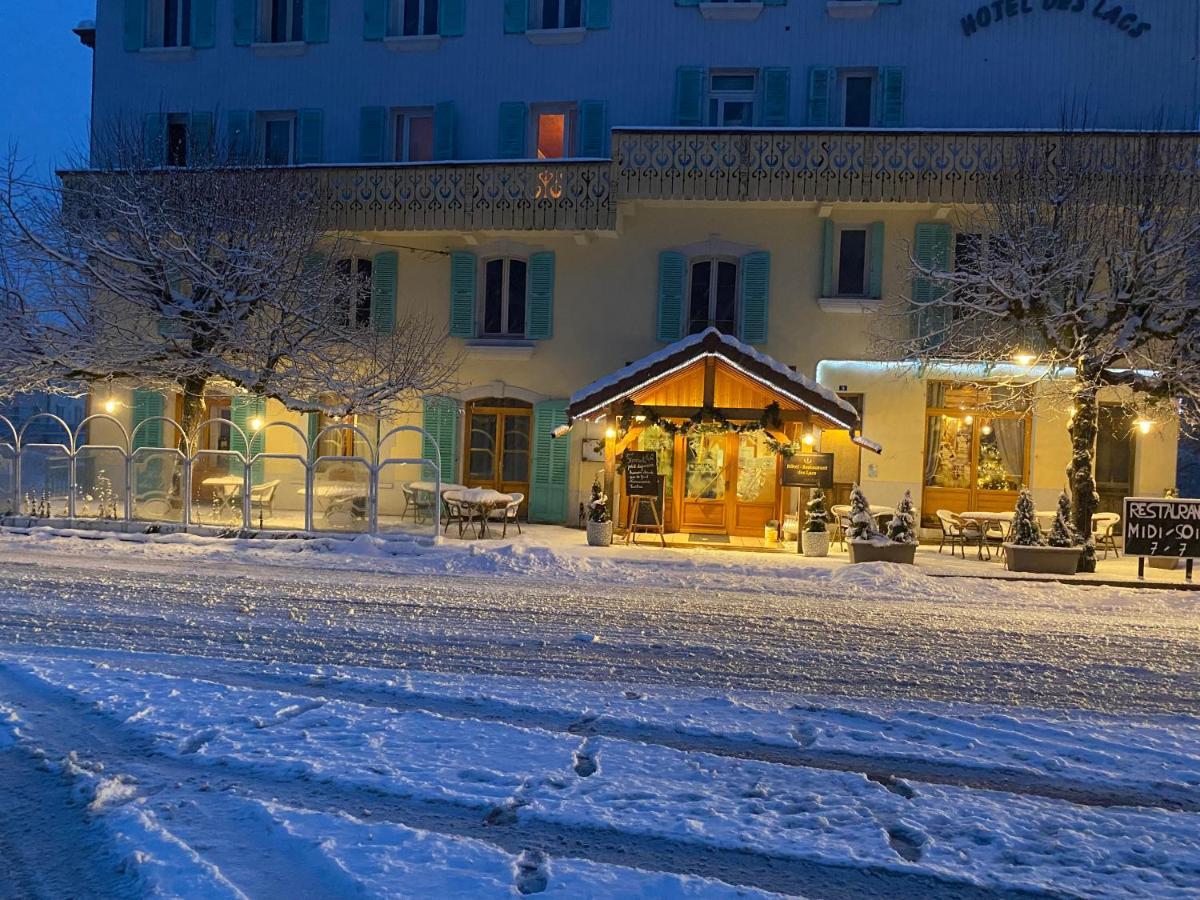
851,9
500,349
168,54
414,43
549,37
727,11
280,48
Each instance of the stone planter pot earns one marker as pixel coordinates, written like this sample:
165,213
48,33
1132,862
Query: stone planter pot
1043,560
599,534
862,551
815,543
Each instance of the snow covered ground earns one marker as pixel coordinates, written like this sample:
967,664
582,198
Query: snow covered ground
199,719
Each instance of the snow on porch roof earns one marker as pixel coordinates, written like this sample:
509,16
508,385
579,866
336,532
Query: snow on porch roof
711,342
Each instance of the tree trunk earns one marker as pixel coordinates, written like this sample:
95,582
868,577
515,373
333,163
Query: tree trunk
1080,473
194,407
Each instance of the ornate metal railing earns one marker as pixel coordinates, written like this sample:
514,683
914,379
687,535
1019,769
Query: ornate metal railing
843,166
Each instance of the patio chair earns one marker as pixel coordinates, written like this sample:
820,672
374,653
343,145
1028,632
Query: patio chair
1102,532
262,496
957,532
841,525
509,513
454,510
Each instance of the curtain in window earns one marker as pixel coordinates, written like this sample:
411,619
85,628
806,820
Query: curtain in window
1010,442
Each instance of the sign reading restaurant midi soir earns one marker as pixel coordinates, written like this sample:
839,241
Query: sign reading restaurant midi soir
1117,15
810,470
1162,527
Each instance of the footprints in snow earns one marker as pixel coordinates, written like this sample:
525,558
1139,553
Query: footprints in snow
585,764
531,872
907,842
895,785
195,741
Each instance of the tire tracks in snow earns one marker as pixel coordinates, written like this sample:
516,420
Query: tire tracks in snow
59,722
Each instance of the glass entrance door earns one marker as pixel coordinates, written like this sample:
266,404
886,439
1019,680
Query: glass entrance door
706,480
1114,458
498,446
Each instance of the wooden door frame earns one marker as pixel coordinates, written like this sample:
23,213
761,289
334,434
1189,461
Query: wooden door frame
501,413
972,490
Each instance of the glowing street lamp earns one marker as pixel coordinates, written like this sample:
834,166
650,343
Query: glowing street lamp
1144,425
1022,358
256,424
110,406
809,440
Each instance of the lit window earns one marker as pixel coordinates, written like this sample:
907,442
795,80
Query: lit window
555,14
554,131
504,293
278,142
712,295
851,265
177,140
412,18
858,93
414,135
731,99
283,21
355,274
169,23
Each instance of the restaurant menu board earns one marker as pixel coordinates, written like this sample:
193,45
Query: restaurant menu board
1161,527
641,473
646,511
808,470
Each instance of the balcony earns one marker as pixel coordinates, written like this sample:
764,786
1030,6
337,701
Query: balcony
827,166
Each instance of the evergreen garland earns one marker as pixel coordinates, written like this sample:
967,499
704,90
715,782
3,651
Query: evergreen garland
817,516
862,525
1063,532
900,529
1025,529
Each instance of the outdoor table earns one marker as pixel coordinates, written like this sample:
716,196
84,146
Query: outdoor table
427,488
338,496
484,500
227,489
983,519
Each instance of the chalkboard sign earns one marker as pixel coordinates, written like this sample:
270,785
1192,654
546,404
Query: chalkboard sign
808,470
1159,527
645,514
641,473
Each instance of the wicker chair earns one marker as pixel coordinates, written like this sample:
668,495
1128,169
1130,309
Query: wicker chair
509,513
454,510
841,525
1102,532
957,532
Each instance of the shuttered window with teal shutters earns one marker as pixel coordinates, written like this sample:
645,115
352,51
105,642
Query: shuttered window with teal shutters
777,97
539,321
828,232
310,136
878,244
444,130
375,19
672,284
597,14
820,96
756,291
463,268
931,250
593,129
239,136
243,410
384,276
204,24
512,130
689,96
516,16
452,18
135,24
549,479
316,21
200,138
372,134
893,98
245,13
146,405
440,421
154,139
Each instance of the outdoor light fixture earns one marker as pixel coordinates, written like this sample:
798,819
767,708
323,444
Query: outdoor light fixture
1144,425
110,406
809,440
986,429
970,420
256,424
610,433
639,418
1024,359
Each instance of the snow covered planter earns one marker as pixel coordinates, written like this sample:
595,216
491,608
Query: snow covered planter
1027,551
899,545
814,540
599,522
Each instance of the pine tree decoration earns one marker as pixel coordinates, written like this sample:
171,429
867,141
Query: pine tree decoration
1063,532
598,505
862,526
900,529
1025,530
817,516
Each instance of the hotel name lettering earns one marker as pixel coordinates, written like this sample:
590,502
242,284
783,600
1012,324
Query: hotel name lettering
1114,14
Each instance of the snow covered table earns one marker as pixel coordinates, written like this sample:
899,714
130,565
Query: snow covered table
340,499
483,500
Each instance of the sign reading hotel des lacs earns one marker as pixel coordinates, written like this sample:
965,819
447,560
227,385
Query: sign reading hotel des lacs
1118,16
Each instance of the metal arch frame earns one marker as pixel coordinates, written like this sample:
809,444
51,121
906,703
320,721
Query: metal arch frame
185,455
437,474
194,454
248,469
79,448
372,473
15,446
68,448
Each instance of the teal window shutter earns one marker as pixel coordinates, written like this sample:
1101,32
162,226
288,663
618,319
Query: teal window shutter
200,138
135,24
372,134
931,250
516,16
820,96
539,319
893,98
512,130
204,24
440,421
239,137
828,233
777,96
147,405
597,14
452,18
550,477
244,25
756,291
154,139
593,129
242,410
375,17
462,294
689,96
444,130
385,272
875,268
310,136
672,282
316,21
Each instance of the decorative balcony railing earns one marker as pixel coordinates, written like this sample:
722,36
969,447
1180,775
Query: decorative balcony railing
845,166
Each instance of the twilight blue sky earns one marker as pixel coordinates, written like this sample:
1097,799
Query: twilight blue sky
45,79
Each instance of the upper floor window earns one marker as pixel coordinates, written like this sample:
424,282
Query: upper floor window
283,21
858,99
177,139
851,262
414,129
504,296
545,14
278,147
356,274
412,18
731,96
554,130
712,295
169,23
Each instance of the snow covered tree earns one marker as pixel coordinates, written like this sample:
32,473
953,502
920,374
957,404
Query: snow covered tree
180,278
817,515
1082,256
1025,529
598,504
862,524
901,528
1062,534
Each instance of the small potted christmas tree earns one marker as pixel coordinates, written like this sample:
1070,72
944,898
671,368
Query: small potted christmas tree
599,521
867,544
1027,550
1062,534
815,538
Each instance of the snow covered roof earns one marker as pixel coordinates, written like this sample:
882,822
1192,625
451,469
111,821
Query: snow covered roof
711,342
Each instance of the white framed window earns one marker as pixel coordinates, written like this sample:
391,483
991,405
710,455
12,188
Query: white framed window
355,273
413,130
177,139
412,18
852,254
731,98
282,21
169,23
713,294
554,128
278,144
550,14
504,296
857,90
